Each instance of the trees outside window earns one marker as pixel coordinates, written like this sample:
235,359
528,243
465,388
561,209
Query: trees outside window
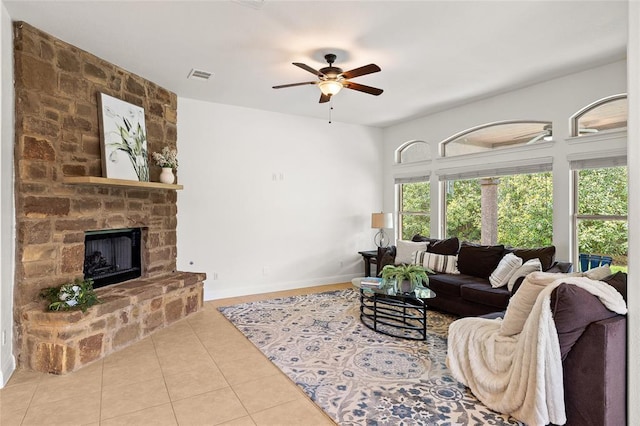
414,216
463,209
524,207
601,213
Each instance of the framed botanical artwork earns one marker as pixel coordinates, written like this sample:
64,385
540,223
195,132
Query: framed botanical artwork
123,139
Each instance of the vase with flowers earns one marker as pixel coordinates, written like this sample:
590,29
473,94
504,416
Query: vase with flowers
167,159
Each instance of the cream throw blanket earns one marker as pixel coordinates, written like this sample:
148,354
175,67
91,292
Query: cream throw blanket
520,374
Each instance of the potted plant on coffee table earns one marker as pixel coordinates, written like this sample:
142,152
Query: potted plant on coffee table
408,277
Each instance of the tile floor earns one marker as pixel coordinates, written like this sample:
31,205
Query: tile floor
199,371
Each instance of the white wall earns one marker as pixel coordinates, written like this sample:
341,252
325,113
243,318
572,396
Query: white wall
633,324
554,100
273,201
7,361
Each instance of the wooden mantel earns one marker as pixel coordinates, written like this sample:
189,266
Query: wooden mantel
94,180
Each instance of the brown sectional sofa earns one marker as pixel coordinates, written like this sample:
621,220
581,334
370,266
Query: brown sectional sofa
592,339
470,293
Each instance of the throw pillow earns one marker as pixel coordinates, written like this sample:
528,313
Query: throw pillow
505,269
619,282
386,256
527,267
479,261
437,262
546,255
598,273
573,309
522,302
448,247
405,250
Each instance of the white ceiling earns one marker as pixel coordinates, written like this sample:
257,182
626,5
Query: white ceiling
433,54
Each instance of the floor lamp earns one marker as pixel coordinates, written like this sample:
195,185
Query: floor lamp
381,221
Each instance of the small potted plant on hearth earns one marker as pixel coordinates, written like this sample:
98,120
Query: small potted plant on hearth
76,295
408,277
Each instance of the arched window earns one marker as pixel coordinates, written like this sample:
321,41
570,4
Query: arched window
606,114
504,134
413,152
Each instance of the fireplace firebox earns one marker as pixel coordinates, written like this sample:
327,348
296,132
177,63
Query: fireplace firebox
112,256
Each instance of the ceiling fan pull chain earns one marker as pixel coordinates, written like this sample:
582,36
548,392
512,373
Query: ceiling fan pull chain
330,109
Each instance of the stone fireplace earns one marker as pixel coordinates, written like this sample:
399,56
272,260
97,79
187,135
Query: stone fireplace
57,141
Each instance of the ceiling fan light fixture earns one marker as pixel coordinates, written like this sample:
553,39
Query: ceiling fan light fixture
329,87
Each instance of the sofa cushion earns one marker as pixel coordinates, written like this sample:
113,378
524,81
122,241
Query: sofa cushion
485,294
386,256
619,282
521,302
507,266
547,255
479,261
405,250
527,267
449,246
437,262
573,309
447,284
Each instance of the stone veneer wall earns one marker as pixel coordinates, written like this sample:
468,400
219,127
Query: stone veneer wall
57,135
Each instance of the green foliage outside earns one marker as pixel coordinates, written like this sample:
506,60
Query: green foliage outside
603,192
463,209
525,211
414,214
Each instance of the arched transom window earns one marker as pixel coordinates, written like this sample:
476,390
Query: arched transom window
505,134
413,152
606,114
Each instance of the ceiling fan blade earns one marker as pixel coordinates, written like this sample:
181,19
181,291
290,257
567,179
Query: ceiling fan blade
357,72
307,68
294,84
324,98
362,88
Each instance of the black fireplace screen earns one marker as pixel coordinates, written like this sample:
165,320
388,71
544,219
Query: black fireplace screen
112,256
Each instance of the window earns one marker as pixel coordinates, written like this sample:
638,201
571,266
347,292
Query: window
413,152
500,135
606,114
463,209
414,207
600,212
511,209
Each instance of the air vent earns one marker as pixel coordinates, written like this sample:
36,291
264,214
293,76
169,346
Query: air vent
254,4
199,74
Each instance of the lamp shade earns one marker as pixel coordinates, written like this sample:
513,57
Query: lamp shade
329,87
381,220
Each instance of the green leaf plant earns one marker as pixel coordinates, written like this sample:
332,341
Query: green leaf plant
415,274
70,296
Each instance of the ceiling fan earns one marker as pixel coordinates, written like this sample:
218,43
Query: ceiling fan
331,79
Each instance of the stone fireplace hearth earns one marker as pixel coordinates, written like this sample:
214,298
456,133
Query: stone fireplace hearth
57,139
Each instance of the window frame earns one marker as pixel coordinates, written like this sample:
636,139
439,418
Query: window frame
444,143
399,200
575,130
576,217
407,145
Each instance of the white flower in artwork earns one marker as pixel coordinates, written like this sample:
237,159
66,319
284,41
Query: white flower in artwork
110,112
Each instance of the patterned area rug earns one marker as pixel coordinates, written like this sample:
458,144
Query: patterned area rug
358,376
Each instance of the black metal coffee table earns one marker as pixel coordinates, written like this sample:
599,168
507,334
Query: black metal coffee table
395,314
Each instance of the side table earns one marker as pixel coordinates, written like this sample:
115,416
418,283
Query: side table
369,257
